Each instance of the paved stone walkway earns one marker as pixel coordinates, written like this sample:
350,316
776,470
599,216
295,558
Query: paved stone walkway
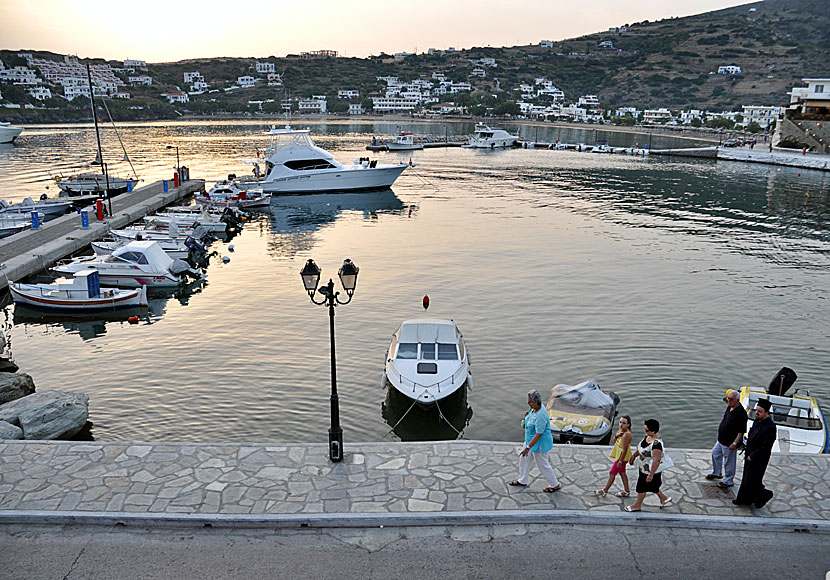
375,478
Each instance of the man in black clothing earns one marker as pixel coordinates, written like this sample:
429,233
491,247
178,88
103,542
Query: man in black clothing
730,433
758,450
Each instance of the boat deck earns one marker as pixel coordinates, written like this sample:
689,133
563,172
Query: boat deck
31,251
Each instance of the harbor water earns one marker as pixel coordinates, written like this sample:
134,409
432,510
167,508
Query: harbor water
666,280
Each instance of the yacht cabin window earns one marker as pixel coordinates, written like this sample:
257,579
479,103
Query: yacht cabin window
306,164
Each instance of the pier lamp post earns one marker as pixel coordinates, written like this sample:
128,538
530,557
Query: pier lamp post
310,275
177,161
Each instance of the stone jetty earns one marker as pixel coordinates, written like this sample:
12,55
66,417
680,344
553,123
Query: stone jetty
295,485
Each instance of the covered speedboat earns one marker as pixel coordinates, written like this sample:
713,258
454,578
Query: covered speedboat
83,293
135,264
427,360
46,208
799,420
404,142
294,164
582,414
485,137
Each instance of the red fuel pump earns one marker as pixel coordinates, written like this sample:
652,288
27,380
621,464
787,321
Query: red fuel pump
176,179
99,209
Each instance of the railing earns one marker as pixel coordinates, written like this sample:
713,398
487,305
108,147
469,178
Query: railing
459,375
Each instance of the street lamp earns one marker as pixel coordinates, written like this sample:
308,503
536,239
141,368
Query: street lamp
310,275
178,171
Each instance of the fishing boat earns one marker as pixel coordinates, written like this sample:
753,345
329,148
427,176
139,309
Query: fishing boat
46,208
404,142
83,292
8,133
582,413
799,420
186,219
139,263
427,360
13,224
294,164
484,137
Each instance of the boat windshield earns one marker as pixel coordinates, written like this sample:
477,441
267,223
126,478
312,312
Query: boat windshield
783,416
583,399
407,350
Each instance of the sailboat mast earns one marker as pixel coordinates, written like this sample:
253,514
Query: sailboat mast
100,159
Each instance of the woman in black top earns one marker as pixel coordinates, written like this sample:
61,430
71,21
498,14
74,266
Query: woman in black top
650,453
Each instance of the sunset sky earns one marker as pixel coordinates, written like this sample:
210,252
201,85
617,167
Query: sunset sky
170,30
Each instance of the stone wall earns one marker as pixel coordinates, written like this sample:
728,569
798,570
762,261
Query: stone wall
815,134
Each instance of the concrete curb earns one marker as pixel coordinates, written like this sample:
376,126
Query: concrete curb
363,520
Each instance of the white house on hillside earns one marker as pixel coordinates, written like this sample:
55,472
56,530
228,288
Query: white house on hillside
729,70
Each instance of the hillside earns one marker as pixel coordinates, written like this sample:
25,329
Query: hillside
665,63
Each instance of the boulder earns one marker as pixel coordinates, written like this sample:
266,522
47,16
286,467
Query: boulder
7,366
13,386
9,431
48,414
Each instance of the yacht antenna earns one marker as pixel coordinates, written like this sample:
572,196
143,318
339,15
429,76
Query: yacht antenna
117,134
100,158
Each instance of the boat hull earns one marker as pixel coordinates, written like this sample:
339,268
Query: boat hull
331,181
8,134
31,295
427,398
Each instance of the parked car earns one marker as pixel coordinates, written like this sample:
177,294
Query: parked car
732,143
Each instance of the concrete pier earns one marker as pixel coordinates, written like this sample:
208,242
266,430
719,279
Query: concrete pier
393,484
31,251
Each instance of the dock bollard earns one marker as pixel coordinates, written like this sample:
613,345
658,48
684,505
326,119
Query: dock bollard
129,186
84,218
35,220
164,185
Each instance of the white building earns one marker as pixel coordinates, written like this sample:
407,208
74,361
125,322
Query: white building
198,87
246,81
121,95
389,104
356,109
73,88
460,87
140,80
348,94
313,105
274,79
729,70
589,102
687,117
19,75
623,111
657,115
607,45
546,43
264,67
178,97
763,115
192,77
134,64
478,72
40,92
487,61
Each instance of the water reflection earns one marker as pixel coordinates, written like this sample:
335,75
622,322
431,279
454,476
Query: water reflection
443,421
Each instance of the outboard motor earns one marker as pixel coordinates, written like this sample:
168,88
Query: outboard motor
196,253
183,270
782,381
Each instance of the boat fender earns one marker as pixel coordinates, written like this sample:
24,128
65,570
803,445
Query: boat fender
230,247
425,302
133,319
226,259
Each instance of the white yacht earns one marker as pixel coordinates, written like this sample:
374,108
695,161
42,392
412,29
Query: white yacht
47,208
427,360
294,164
404,142
135,264
9,133
91,183
488,138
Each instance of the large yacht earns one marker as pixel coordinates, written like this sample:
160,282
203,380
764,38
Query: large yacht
487,138
294,164
8,133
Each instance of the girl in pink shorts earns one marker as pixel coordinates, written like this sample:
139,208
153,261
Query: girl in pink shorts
621,454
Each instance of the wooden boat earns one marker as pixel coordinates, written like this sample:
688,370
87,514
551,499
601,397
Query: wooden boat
84,292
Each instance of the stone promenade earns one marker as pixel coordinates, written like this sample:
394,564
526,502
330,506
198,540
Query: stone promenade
231,482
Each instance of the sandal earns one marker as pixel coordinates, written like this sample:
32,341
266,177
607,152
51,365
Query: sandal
600,492
629,510
516,482
552,489
623,493
665,503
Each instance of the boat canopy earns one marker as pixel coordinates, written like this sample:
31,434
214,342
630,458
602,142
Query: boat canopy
428,331
143,252
584,399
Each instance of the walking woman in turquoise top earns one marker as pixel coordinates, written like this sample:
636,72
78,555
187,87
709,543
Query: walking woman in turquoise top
538,441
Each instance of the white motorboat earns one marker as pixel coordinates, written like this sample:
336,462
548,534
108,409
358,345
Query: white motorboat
91,184
583,413
46,208
294,164
210,221
232,194
485,137
176,249
404,142
84,292
8,133
139,263
427,360
11,225
602,147
799,420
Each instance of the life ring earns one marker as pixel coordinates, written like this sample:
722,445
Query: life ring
57,179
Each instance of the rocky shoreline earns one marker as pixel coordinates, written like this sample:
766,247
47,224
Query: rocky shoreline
46,415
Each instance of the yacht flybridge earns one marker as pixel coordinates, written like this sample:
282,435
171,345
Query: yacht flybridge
294,164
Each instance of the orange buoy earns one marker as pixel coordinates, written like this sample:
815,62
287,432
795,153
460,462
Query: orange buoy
426,301
133,319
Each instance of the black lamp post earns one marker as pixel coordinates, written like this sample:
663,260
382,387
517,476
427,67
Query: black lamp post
348,278
178,172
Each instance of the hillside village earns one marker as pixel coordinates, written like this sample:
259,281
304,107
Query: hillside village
545,81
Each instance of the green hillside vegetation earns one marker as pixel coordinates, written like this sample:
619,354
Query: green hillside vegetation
668,63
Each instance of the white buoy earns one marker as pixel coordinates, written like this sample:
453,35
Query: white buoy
226,259
230,247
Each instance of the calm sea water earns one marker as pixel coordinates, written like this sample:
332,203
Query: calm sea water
666,280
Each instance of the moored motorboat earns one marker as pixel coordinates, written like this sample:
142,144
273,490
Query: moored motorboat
46,208
92,184
582,413
294,164
11,225
231,194
484,137
8,132
427,360
182,249
138,263
404,142
799,420
84,292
